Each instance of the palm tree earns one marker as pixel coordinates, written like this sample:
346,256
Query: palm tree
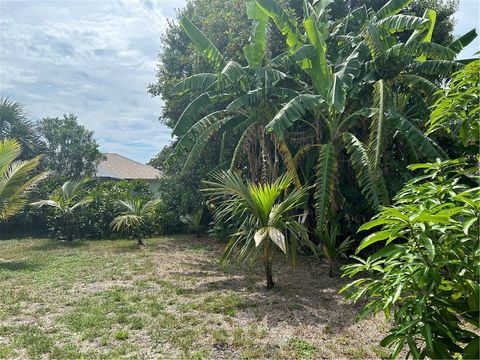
134,216
65,203
15,125
14,178
267,214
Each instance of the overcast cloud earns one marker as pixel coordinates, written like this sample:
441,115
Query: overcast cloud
96,58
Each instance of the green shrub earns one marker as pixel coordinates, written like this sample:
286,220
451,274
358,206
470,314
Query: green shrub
427,272
94,221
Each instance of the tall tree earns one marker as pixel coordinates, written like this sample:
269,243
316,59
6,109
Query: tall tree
14,124
70,148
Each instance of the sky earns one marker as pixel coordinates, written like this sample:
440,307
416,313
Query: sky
96,58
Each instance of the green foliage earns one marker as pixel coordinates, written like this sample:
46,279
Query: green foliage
94,221
133,217
194,222
15,178
427,272
64,204
15,125
267,215
178,191
459,109
324,51
328,244
70,149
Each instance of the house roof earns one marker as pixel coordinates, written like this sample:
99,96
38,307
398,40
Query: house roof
116,166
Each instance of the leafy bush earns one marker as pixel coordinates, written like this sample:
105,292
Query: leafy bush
64,204
427,273
94,221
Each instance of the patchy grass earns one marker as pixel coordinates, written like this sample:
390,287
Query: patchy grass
170,300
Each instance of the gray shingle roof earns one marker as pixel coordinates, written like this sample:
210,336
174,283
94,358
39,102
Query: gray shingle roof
116,166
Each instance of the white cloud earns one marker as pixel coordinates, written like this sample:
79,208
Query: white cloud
91,58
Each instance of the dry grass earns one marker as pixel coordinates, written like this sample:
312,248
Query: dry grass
171,300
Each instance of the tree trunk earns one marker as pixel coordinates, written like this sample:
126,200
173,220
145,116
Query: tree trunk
267,263
331,266
264,176
268,274
69,230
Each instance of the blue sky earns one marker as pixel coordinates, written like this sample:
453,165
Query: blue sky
96,58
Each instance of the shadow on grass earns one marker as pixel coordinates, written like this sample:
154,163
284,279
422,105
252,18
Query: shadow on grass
18,265
49,245
302,296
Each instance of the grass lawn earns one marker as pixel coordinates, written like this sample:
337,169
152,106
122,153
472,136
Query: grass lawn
170,300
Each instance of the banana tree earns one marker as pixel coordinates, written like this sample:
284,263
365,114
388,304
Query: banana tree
235,104
267,213
351,86
64,203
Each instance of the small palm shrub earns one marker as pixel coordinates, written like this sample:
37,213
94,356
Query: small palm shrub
193,222
15,178
267,216
133,217
328,245
64,205
427,272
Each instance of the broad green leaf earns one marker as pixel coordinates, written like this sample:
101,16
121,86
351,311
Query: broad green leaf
203,44
402,22
325,183
202,82
337,95
373,238
285,24
467,223
255,51
377,136
411,132
392,7
371,182
321,73
463,41
294,110
191,113
376,222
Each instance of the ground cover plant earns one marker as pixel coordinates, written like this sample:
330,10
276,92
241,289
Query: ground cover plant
171,300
